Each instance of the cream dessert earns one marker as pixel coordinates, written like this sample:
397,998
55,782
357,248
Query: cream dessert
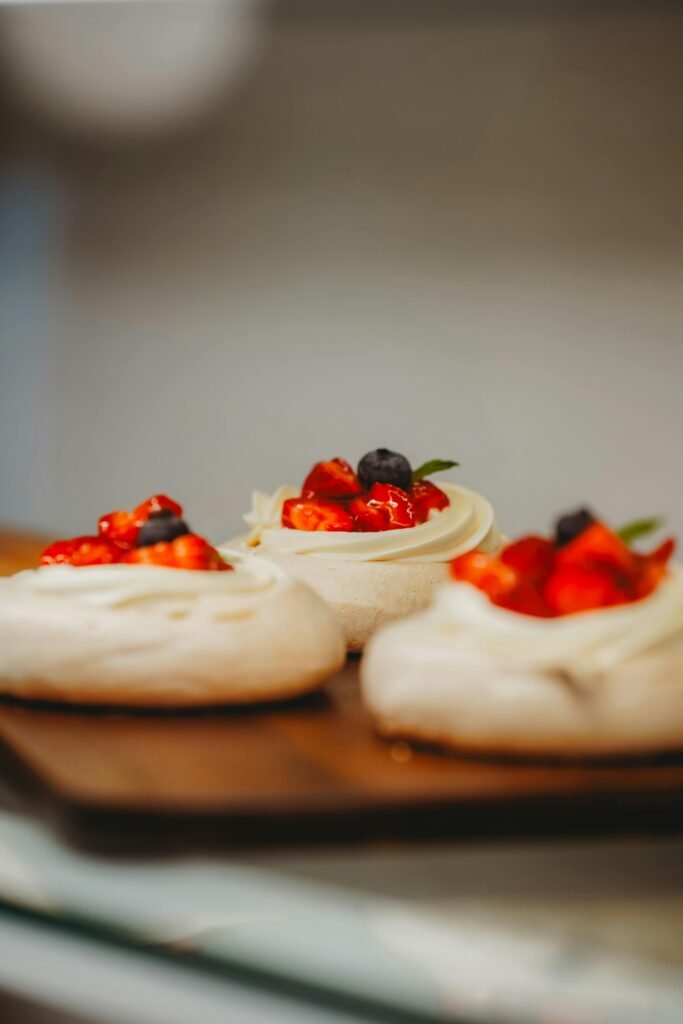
373,543
148,614
564,647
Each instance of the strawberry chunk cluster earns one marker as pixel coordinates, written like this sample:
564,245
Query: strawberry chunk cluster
126,537
332,498
547,579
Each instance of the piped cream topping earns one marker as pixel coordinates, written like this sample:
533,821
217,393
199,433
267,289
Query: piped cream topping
111,586
582,645
467,523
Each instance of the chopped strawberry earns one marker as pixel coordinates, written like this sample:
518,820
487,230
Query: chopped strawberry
193,552
545,578
531,556
333,479
394,505
368,518
120,527
154,554
60,552
384,507
662,554
577,588
599,546
123,527
503,584
527,598
486,572
155,504
119,533
653,568
315,514
82,551
187,552
425,496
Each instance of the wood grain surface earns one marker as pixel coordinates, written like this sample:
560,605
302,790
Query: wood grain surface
19,550
312,770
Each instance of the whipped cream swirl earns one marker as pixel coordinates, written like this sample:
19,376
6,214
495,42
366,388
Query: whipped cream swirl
467,523
112,586
581,645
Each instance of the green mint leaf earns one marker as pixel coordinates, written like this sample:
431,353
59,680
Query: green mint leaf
433,466
639,528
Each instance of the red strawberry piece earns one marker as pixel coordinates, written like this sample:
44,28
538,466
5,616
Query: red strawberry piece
187,552
82,551
502,583
599,546
155,504
531,556
486,572
425,496
333,479
368,518
394,504
60,552
577,588
120,527
154,554
527,598
662,554
315,514
193,552
653,568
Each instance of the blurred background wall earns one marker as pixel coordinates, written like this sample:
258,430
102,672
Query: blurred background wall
452,229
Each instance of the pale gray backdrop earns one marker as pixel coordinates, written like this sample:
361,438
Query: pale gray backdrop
458,236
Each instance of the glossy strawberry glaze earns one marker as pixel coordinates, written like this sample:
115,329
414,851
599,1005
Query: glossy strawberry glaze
332,499
116,543
535,576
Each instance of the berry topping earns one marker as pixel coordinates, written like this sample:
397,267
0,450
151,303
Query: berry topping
384,508
333,479
570,526
82,551
554,577
578,589
598,545
152,534
367,518
386,495
120,527
530,556
123,527
486,572
315,514
653,568
527,598
155,504
161,526
188,551
385,467
425,496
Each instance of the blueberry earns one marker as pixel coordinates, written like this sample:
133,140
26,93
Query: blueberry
385,467
571,526
161,526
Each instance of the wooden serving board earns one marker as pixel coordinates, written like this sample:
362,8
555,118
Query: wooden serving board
308,771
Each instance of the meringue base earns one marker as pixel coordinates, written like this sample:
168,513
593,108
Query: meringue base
364,595
281,645
419,686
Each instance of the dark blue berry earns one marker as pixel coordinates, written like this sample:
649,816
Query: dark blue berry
573,525
385,467
161,526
